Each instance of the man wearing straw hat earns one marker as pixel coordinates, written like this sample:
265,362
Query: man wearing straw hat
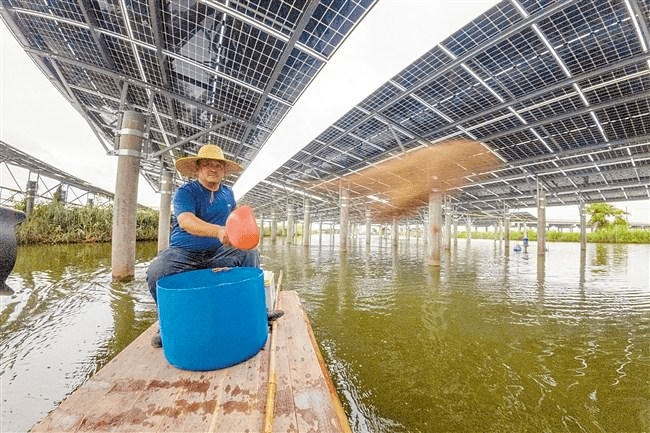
198,235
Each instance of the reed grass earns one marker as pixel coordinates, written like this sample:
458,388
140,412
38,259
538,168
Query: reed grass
56,223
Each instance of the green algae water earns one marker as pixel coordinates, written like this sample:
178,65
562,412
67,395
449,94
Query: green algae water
488,341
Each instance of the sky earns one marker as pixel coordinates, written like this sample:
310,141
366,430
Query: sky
37,119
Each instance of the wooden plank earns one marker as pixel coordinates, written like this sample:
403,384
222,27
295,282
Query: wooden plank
316,405
284,412
242,395
139,391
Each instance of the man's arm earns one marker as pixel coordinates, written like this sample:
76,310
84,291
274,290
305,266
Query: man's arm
197,227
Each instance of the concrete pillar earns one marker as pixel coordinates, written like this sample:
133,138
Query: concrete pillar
468,225
541,222
583,226
525,237
306,230
447,228
274,225
261,225
368,226
30,196
126,195
435,221
320,231
455,229
164,214
290,225
506,233
395,232
344,219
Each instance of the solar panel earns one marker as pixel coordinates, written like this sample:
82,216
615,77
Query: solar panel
204,70
556,89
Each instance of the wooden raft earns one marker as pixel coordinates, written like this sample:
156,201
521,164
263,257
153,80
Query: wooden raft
140,391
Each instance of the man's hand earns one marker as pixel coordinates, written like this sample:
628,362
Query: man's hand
193,225
222,235
225,241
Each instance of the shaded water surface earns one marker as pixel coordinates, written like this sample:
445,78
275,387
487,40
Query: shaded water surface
64,321
487,342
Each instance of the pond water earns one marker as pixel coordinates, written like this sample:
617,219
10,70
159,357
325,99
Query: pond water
486,342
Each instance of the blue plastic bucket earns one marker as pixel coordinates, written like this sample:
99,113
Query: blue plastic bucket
211,320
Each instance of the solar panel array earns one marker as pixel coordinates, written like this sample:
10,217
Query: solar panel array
217,71
558,90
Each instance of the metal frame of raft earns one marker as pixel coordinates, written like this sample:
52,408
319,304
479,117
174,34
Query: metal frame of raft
284,388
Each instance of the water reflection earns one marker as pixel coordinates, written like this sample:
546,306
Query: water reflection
583,268
541,272
65,319
484,342
600,259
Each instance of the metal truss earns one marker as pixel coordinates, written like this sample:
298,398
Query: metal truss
18,168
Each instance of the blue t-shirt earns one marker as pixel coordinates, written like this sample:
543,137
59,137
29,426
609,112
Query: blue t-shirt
213,207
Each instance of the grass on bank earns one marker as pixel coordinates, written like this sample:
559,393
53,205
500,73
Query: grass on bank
607,235
55,223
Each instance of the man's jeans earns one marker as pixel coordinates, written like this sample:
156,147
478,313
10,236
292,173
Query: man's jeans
174,260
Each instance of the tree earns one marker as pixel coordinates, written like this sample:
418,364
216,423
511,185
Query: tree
604,215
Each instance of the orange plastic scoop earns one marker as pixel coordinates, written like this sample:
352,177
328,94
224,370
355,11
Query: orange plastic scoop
241,228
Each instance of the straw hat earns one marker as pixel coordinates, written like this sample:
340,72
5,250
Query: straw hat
188,166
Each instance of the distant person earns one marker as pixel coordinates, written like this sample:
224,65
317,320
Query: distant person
198,235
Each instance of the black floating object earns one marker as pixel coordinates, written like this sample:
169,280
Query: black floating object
9,219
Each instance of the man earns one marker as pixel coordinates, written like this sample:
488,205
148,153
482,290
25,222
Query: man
198,235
